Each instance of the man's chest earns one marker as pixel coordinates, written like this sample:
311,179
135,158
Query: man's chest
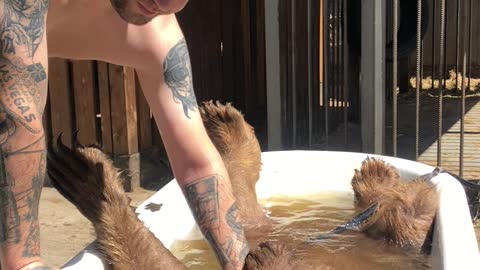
88,29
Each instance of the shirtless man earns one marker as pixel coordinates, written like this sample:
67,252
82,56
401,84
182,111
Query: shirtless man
143,34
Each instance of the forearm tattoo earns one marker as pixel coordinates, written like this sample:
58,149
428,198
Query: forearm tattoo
203,198
178,76
23,26
23,86
22,31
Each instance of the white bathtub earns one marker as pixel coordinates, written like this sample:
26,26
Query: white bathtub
301,173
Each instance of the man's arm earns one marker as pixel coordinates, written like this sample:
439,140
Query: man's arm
23,86
196,163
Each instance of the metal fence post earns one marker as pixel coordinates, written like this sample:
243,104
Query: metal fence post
372,76
272,52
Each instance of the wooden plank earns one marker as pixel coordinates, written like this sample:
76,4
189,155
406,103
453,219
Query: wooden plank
105,114
83,89
188,19
259,57
60,96
123,110
228,53
285,70
475,34
321,44
212,44
316,43
259,113
372,85
123,117
301,72
144,117
273,75
244,67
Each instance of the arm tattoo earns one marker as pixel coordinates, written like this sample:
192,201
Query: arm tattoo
23,89
178,76
22,81
9,216
32,199
26,201
22,26
237,228
202,197
23,93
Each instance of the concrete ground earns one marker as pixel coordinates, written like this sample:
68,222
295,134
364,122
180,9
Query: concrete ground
64,231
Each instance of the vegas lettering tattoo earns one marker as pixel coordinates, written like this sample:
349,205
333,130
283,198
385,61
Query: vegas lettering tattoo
23,89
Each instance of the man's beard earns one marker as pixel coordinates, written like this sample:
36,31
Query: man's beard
121,6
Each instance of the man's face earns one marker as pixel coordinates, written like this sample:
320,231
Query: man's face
142,11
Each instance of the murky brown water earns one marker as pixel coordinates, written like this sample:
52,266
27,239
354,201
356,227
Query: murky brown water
301,219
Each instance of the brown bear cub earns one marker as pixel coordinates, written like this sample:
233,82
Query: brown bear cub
406,209
87,178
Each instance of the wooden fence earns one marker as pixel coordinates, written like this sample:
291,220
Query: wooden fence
104,102
105,105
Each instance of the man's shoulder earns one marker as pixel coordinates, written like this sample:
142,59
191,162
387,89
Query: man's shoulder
105,36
